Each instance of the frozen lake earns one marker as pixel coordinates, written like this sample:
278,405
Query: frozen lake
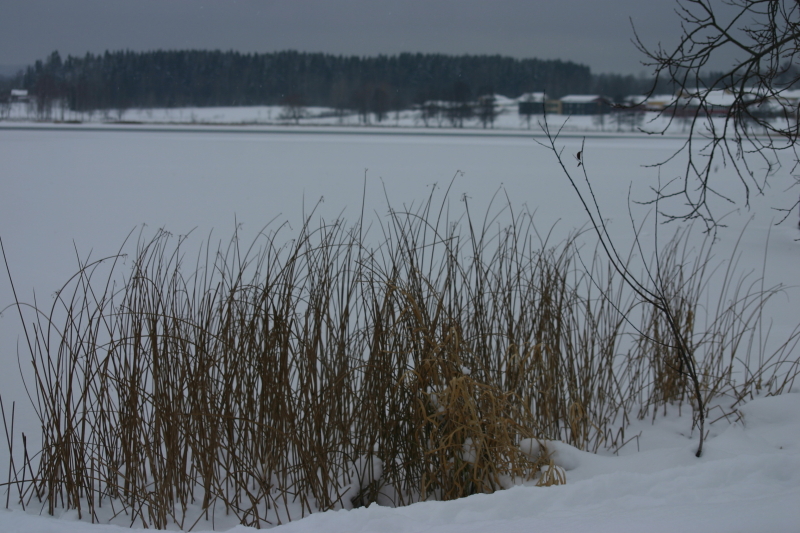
90,188
64,191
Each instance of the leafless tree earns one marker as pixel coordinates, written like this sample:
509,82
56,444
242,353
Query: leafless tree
487,110
359,99
460,108
530,107
339,96
627,117
654,289
430,110
294,107
756,122
380,103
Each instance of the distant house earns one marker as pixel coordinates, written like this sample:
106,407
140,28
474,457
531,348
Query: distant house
503,103
659,102
19,95
788,103
790,97
718,102
553,107
531,104
785,103
584,104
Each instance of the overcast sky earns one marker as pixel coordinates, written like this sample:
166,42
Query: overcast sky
593,32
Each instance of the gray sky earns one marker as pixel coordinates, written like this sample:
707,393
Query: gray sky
593,32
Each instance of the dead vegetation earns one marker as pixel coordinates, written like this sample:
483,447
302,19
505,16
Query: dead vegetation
312,371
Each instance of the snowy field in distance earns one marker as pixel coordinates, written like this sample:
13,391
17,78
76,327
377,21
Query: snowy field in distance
86,190
508,119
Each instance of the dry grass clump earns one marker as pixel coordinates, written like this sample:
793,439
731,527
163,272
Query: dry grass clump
317,373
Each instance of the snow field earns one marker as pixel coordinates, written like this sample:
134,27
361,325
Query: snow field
508,119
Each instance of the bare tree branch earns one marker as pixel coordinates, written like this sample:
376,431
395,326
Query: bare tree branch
741,117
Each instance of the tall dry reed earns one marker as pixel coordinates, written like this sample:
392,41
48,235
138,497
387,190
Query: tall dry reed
293,375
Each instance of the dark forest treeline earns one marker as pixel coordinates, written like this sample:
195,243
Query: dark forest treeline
125,79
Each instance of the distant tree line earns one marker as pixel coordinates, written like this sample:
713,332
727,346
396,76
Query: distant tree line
125,79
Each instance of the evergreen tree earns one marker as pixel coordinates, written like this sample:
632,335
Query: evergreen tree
124,79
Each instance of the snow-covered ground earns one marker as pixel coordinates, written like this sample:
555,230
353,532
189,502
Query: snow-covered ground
747,481
76,189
